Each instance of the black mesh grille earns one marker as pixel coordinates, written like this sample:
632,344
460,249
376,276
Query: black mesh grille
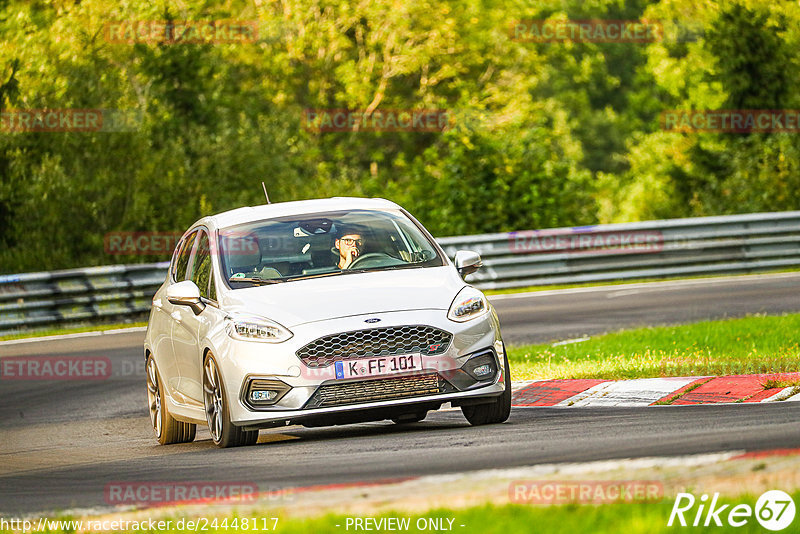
377,390
375,342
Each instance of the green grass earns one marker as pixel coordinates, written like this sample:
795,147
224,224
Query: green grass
782,382
750,345
70,330
631,518
670,400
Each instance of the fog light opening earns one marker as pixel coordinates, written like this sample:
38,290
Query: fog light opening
263,395
482,366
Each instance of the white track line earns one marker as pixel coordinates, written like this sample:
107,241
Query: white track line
638,392
795,398
670,284
783,394
596,466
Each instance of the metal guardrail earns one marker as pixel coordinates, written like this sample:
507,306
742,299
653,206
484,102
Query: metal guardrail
654,249
36,299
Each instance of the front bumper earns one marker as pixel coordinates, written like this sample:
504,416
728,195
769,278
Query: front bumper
316,393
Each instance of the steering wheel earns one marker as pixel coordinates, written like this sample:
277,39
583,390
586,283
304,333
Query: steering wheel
378,259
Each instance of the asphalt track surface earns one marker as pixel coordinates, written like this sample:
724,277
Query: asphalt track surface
62,442
552,315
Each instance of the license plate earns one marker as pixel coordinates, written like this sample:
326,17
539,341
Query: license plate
387,365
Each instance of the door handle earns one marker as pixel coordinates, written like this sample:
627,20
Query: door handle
176,316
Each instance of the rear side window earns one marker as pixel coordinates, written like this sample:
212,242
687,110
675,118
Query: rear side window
201,267
183,259
212,289
173,262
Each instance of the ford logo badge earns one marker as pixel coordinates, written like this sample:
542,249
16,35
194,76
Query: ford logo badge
373,320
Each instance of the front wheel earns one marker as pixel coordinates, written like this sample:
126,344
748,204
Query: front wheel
495,412
223,432
167,429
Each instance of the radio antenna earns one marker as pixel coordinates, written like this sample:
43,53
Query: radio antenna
265,192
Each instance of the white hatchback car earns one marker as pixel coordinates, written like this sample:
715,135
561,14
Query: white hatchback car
318,312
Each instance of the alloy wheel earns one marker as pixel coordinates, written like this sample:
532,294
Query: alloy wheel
212,394
154,396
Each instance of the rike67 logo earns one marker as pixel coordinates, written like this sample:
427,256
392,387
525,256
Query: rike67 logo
774,510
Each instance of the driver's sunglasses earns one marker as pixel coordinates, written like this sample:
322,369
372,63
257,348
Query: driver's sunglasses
349,241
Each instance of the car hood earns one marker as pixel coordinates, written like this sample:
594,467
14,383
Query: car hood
318,299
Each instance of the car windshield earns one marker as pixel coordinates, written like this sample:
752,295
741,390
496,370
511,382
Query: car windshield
322,244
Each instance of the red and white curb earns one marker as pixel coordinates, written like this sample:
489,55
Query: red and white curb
653,391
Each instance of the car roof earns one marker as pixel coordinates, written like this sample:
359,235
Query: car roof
298,207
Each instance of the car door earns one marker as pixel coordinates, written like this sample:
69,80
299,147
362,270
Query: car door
189,329
163,318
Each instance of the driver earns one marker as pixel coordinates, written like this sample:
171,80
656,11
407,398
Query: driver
349,246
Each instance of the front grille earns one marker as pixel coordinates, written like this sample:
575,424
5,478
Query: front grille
375,342
377,390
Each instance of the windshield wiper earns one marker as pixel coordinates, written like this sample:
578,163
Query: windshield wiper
256,280
307,276
379,269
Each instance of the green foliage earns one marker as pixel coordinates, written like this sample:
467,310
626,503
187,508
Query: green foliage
746,58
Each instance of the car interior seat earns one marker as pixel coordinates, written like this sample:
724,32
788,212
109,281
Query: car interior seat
243,254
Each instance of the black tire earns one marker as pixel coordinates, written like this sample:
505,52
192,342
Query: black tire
409,418
167,429
224,434
494,412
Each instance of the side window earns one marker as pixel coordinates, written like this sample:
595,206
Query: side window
173,262
201,267
183,260
212,289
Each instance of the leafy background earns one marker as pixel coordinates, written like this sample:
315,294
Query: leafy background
559,134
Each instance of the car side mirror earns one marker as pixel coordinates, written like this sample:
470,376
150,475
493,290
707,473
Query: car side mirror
467,262
186,293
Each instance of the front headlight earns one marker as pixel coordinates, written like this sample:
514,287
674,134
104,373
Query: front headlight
252,328
469,304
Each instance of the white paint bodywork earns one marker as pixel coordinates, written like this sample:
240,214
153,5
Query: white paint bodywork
310,309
